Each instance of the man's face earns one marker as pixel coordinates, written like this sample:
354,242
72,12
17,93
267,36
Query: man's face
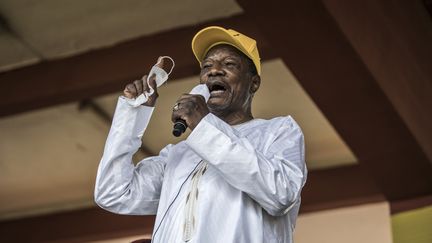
226,73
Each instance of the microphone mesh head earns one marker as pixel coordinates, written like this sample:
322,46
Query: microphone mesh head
201,89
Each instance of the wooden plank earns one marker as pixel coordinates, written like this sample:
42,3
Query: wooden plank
410,204
107,70
394,43
339,187
428,5
311,44
75,226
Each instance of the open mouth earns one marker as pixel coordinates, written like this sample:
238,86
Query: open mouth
217,88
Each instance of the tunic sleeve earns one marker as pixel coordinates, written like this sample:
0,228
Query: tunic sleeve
273,176
121,187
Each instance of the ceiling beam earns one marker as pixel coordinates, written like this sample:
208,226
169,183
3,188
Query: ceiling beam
75,226
428,4
107,70
310,42
410,204
352,183
394,43
339,187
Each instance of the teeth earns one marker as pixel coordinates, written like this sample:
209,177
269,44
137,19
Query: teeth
217,91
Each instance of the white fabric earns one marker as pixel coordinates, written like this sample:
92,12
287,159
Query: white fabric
161,76
190,214
250,191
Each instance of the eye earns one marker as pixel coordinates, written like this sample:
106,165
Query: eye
230,64
206,65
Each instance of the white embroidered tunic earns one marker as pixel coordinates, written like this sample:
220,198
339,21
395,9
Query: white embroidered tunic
223,183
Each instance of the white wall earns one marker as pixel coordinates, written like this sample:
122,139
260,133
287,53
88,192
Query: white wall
359,224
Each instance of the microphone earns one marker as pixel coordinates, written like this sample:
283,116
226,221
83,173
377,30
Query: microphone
180,125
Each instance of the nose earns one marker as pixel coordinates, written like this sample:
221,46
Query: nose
216,70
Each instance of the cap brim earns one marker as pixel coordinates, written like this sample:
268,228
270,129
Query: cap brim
210,37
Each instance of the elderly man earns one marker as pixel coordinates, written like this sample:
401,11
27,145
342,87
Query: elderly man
233,179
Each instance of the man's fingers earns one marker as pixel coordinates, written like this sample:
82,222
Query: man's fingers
190,108
193,97
127,93
179,114
144,83
138,86
184,106
130,91
152,82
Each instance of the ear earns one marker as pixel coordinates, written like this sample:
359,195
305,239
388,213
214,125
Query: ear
256,82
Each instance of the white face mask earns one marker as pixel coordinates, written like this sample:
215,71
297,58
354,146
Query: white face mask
161,77
160,74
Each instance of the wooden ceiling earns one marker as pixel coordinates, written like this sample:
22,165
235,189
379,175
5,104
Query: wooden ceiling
373,88
35,31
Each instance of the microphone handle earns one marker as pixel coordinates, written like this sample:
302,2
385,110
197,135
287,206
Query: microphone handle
180,127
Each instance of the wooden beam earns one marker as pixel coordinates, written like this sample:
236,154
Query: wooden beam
75,226
394,43
339,187
326,189
108,70
311,44
428,5
410,204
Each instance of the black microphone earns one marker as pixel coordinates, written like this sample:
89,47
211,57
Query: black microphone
180,125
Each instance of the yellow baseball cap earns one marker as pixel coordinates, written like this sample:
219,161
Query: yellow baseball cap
211,36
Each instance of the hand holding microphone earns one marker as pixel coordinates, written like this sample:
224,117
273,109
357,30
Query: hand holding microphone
190,109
